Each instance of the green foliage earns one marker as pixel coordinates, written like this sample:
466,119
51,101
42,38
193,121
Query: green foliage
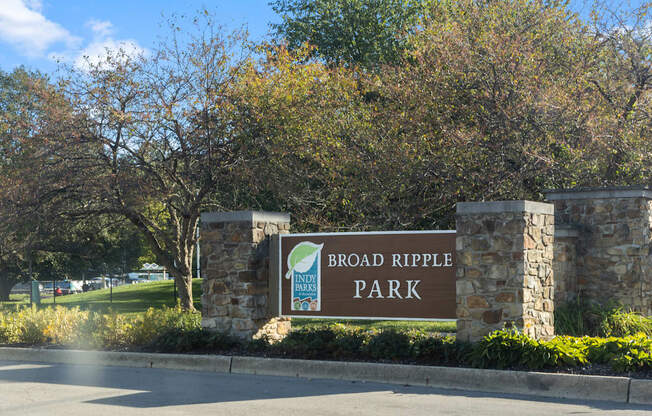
509,348
173,330
76,328
350,32
334,342
581,318
128,299
436,350
622,324
178,340
390,345
368,324
155,322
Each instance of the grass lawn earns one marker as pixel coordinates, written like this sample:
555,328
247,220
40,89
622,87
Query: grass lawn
134,299
426,326
127,299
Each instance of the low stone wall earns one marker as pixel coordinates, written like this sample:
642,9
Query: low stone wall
565,263
504,268
235,264
613,246
515,260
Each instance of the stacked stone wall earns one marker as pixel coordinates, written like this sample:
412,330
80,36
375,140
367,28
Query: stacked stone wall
613,261
565,264
235,265
504,268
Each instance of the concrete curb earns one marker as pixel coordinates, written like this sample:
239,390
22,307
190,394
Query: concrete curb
213,363
640,391
566,386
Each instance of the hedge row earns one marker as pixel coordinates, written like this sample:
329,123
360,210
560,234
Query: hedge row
172,330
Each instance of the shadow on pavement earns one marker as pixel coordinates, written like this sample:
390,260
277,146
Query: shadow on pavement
151,387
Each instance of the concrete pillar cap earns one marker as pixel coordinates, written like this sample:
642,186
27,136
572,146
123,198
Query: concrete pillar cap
245,216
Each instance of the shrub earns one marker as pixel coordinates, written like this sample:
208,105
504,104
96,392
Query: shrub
154,322
435,350
622,324
581,318
510,348
390,344
194,339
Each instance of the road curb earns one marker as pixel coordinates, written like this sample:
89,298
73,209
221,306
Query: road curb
566,386
640,391
213,363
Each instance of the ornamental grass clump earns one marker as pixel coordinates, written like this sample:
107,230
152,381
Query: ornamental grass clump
83,329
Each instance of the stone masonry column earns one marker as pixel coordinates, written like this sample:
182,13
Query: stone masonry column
614,243
504,268
236,298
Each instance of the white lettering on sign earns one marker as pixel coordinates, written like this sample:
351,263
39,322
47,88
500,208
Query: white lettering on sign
355,260
412,289
398,260
393,287
375,288
359,285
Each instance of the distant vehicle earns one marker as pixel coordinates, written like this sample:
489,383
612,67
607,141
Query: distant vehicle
25,287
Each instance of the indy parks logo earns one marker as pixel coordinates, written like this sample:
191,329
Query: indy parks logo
304,267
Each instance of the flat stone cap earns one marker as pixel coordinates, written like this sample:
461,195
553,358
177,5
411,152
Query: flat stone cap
566,231
245,216
498,207
638,191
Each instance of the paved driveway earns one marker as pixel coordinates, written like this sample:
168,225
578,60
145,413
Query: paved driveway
68,390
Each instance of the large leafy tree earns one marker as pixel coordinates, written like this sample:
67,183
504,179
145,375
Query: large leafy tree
150,139
359,32
37,240
496,100
621,79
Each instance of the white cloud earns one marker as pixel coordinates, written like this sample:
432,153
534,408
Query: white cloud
100,28
23,26
103,46
97,52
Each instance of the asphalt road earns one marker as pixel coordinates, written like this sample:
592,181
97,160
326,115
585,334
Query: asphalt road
67,390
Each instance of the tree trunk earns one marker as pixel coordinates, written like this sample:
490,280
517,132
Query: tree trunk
5,288
184,287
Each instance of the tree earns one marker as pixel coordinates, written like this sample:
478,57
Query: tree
350,32
21,110
621,79
493,101
151,138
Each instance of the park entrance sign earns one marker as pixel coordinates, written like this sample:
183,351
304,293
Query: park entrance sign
372,275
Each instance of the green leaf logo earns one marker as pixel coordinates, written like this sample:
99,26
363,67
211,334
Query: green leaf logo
302,257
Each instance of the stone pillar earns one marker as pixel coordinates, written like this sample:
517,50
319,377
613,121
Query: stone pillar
236,298
504,268
565,263
614,245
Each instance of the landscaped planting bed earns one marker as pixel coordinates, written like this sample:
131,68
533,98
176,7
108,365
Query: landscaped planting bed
172,330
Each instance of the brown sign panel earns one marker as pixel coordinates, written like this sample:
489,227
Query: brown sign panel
388,275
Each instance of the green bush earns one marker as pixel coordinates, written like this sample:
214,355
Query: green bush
331,342
510,348
435,350
76,328
154,322
180,340
390,345
622,324
172,330
580,318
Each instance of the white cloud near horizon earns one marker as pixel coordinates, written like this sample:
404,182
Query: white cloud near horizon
23,26
103,45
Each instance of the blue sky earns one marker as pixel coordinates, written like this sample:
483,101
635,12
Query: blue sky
37,33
